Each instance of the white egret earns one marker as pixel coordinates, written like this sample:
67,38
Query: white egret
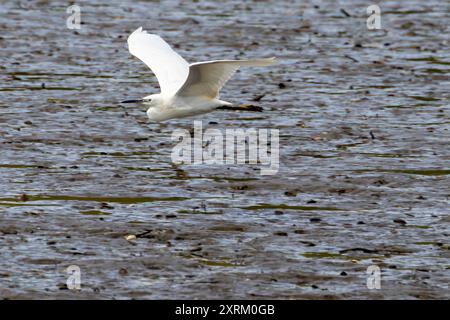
186,89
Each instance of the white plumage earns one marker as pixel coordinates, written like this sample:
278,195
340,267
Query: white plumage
186,89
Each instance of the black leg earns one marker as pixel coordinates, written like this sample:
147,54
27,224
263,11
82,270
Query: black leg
243,107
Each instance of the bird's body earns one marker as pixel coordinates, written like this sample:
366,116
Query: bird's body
186,89
162,108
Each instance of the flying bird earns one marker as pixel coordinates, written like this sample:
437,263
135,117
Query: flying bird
186,89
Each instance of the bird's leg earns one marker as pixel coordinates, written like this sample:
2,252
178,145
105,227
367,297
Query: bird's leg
242,107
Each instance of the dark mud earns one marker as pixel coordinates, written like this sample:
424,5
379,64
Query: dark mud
364,160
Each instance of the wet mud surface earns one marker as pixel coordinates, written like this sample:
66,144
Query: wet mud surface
364,154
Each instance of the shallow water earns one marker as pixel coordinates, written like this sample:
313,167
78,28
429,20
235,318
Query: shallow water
364,159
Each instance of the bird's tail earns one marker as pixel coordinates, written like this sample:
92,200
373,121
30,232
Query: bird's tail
257,62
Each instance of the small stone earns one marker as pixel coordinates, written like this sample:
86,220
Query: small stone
259,97
140,139
308,243
105,205
62,286
7,230
343,273
130,237
244,187
123,272
315,220
24,197
348,225
400,221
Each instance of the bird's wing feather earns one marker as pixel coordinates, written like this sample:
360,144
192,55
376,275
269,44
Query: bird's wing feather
207,78
167,65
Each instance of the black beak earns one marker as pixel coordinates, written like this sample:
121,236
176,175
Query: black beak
133,101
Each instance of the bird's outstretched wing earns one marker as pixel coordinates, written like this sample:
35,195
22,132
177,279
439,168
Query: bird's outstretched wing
207,78
167,65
